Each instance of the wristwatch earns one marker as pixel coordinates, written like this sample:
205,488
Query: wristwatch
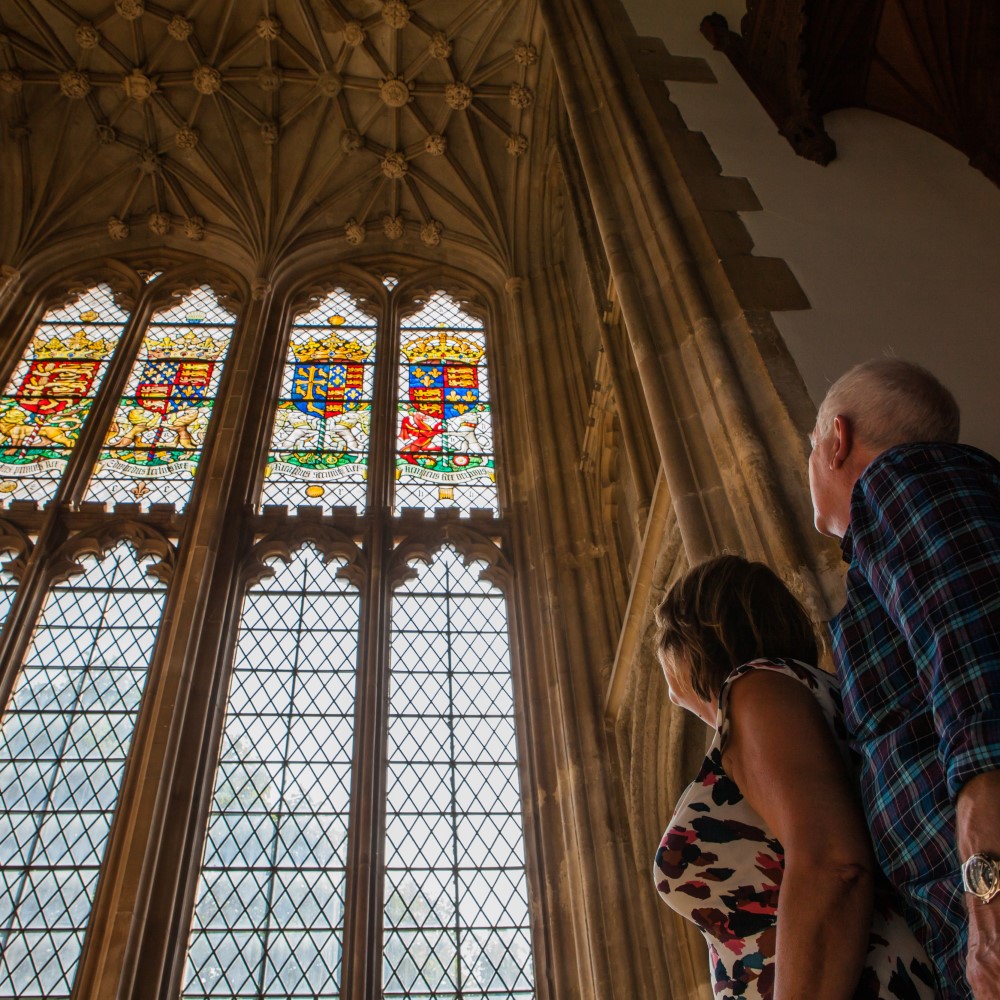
981,876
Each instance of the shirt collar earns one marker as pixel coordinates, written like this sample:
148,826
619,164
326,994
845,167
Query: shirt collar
847,545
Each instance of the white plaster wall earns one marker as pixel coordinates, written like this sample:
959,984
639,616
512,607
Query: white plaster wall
896,243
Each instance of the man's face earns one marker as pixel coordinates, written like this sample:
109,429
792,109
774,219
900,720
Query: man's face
824,486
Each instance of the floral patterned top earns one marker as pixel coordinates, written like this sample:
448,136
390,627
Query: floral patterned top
719,866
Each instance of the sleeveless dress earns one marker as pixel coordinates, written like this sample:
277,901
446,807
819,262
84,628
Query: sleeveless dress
719,866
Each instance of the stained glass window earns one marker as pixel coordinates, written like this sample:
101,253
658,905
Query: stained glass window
47,400
319,447
456,910
152,448
270,909
444,450
63,745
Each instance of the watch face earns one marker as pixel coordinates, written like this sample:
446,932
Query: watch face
982,875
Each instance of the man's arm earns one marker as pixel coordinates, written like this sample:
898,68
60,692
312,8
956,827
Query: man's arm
979,833
935,543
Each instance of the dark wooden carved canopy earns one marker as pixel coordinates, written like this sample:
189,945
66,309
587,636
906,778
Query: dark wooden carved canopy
932,63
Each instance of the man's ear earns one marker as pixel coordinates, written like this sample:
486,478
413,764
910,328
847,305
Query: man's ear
843,441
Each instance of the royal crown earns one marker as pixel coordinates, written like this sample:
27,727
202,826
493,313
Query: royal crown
191,345
332,348
443,346
77,345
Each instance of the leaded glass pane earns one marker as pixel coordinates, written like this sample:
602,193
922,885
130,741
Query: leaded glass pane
269,916
456,907
154,443
50,394
319,446
444,449
63,744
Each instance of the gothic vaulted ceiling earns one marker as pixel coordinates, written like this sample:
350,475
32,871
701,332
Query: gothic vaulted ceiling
264,123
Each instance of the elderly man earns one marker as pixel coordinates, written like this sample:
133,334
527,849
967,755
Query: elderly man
917,647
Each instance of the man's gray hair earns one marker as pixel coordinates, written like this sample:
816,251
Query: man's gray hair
889,401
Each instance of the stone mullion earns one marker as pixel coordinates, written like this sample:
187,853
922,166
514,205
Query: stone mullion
362,954
139,928
582,926
80,466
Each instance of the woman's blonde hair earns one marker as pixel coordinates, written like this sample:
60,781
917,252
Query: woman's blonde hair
728,611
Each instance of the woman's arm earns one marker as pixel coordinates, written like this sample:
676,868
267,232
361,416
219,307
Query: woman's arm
783,757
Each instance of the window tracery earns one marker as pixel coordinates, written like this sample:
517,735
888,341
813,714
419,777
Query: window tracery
287,775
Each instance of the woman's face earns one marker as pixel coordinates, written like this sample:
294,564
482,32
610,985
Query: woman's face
677,670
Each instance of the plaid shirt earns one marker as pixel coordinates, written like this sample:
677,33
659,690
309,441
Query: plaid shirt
917,647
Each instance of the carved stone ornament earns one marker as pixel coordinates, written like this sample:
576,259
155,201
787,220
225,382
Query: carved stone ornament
350,140
74,84
179,28
130,9
187,137
394,92
354,232
159,223
394,166
194,228
117,228
269,132
392,226
517,144
87,36
440,47
329,83
268,28
207,80
138,86
396,14
260,288
354,34
525,55
149,162
435,144
106,135
430,233
458,96
520,97
269,79
11,81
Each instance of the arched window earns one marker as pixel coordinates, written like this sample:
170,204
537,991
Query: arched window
269,916
63,745
322,736
440,800
456,899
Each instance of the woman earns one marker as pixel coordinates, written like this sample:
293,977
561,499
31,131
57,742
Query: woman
767,851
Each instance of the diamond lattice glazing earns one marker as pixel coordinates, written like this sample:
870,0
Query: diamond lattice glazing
63,745
270,909
456,911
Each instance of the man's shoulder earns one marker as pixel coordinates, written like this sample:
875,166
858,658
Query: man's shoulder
930,459
912,485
